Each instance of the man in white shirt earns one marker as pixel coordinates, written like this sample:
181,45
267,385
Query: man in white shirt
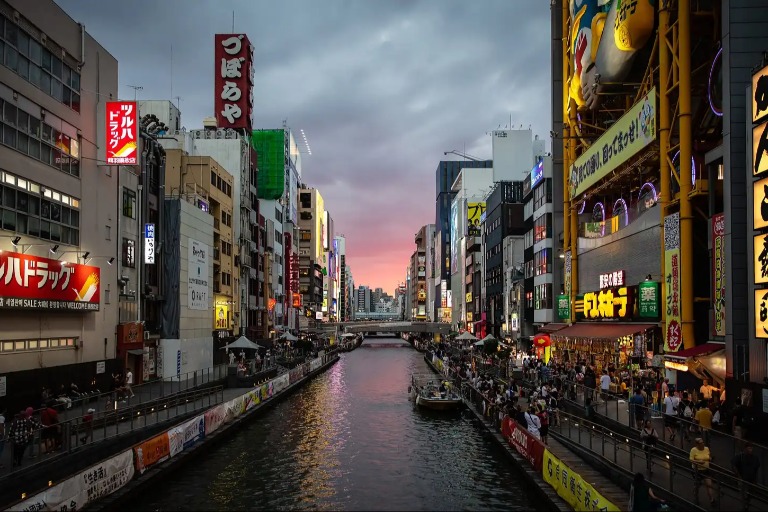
671,403
605,384
534,423
129,382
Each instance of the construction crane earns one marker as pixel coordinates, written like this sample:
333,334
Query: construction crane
463,155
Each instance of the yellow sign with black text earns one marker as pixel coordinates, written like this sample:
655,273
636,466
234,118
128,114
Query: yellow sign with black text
221,316
572,488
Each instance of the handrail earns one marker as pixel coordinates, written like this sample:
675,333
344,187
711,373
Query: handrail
123,420
679,469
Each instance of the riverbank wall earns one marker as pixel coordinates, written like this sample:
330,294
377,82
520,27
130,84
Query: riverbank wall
111,483
550,499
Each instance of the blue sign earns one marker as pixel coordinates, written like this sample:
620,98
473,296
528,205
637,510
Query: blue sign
149,231
537,173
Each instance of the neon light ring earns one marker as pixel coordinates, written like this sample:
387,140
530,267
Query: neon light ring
583,206
599,207
693,168
710,86
623,204
649,185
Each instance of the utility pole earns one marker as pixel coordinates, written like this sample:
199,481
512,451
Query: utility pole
136,88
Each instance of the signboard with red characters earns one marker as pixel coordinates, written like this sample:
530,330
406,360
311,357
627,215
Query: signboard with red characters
233,83
31,282
530,448
122,133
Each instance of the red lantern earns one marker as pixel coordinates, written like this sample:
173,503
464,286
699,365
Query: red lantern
542,340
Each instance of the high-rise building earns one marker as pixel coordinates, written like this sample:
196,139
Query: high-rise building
310,249
446,173
59,233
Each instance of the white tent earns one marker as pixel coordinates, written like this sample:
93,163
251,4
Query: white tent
289,337
466,335
242,342
347,335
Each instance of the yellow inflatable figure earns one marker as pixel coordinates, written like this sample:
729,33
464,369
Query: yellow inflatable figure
599,60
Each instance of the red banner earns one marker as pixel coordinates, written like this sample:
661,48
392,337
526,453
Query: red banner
31,282
122,133
233,83
526,445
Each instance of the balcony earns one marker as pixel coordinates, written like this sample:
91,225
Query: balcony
216,224
216,254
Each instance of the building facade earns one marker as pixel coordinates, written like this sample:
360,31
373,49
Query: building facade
59,232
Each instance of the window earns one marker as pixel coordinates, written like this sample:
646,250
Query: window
542,228
542,262
542,296
29,135
27,209
542,194
213,178
37,344
528,299
129,203
26,57
129,253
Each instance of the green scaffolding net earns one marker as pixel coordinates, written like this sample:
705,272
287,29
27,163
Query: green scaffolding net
270,150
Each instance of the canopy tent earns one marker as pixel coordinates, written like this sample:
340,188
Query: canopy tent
489,337
288,337
480,343
347,335
242,342
466,336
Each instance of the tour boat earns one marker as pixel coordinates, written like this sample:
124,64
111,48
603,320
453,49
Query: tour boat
425,392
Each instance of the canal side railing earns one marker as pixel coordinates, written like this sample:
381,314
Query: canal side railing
112,474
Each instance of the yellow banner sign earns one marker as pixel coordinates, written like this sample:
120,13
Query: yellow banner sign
221,317
673,337
571,487
475,213
631,133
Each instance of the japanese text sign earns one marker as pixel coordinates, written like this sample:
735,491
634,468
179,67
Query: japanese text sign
571,486
611,279
630,134
563,307
609,303
648,299
122,133
233,84
760,95
673,339
530,448
474,214
761,314
31,282
149,243
718,272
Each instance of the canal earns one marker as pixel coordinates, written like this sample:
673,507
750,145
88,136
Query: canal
350,440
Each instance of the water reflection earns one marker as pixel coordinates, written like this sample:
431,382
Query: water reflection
350,440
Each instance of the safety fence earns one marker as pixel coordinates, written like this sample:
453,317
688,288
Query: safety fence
114,473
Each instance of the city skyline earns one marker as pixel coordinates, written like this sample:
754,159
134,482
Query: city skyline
381,90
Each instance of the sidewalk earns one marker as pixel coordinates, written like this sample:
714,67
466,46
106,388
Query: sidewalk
146,395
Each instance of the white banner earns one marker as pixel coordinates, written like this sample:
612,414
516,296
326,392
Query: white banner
86,487
194,430
280,383
234,408
215,418
176,440
315,364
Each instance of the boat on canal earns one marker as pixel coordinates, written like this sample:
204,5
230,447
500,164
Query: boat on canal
430,392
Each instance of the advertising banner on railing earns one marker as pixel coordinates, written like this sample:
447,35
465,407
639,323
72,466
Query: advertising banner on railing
571,487
295,374
251,399
151,452
265,391
280,383
234,408
315,364
86,487
214,418
530,448
185,435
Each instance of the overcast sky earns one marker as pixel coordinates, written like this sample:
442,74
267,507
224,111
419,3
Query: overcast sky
381,88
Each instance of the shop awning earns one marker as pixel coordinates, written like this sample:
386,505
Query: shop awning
601,331
136,351
553,327
699,350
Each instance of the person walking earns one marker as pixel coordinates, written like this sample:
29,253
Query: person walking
636,409
641,497
671,404
533,422
650,437
129,382
20,434
746,465
700,458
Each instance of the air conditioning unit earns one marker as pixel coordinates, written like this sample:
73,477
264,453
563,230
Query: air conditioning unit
220,134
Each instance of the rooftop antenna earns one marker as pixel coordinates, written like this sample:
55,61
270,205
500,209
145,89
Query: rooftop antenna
233,21
135,88
178,102
171,71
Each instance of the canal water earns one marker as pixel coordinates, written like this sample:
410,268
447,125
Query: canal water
350,440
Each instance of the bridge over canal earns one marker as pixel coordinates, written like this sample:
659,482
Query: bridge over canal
390,327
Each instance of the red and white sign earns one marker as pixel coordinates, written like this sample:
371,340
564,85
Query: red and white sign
122,133
530,448
611,279
233,85
31,282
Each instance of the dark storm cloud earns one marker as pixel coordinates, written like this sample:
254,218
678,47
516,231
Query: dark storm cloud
381,89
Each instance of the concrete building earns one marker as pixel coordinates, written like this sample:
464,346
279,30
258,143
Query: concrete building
445,174
420,272
310,249
206,184
163,112
187,343
52,128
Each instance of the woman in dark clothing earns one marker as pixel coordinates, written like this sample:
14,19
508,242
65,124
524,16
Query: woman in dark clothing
641,497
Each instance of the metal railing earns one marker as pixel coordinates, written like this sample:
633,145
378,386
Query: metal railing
670,473
685,431
72,433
